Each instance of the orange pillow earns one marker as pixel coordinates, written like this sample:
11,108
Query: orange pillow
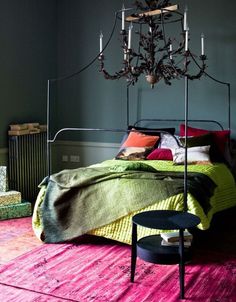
137,139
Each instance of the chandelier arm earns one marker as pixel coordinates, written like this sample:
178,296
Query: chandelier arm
201,68
116,76
101,56
127,71
207,74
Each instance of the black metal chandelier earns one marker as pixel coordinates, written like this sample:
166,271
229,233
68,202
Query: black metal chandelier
157,56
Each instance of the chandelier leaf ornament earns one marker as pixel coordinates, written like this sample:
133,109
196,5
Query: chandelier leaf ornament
156,56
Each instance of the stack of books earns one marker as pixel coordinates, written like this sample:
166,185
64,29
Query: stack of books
11,203
26,128
172,239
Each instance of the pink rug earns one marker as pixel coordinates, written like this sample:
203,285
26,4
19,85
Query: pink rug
101,272
16,238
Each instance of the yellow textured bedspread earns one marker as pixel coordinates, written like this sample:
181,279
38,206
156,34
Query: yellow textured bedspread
120,230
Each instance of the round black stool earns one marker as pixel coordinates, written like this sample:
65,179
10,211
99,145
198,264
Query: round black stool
149,248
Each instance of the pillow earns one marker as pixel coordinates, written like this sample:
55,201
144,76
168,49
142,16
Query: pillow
137,139
124,138
160,154
204,140
200,140
152,131
133,153
195,155
220,137
168,141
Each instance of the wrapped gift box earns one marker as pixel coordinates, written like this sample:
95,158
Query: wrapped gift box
22,209
3,179
10,197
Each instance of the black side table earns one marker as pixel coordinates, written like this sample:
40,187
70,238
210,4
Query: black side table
149,248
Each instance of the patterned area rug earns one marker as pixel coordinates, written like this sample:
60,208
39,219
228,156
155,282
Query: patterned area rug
101,272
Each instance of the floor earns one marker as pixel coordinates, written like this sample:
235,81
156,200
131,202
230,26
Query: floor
17,236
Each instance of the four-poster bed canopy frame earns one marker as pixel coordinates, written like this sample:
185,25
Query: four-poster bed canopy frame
169,69
157,63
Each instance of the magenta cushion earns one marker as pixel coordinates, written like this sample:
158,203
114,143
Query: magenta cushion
160,154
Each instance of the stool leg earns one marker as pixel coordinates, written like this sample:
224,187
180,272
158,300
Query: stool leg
181,263
133,251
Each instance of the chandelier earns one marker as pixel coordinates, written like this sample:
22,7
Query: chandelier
156,56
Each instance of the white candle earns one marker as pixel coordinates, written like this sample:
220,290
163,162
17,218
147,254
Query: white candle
171,48
101,36
129,37
123,17
202,44
186,40
185,18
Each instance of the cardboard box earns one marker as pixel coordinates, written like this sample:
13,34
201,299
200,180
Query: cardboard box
3,179
10,197
18,210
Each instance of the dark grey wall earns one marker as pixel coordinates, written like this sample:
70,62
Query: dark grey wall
27,59
91,101
34,45
87,100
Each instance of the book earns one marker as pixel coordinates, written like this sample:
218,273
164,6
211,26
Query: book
22,209
3,179
32,125
174,236
18,132
187,243
18,127
10,197
34,130
43,128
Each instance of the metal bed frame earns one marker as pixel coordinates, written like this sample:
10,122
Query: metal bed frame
186,118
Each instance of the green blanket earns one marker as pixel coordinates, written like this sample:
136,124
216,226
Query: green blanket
78,201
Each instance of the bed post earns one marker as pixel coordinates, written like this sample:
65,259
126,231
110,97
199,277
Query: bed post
186,147
127,105
48,131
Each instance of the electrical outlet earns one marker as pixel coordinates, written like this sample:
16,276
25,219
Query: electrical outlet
65,158
74,158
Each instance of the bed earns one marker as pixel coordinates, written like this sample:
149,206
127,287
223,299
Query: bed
146,174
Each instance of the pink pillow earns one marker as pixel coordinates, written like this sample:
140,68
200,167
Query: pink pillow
220,137
160,154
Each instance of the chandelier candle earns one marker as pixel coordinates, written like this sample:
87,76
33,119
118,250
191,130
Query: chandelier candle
185,19
101,36
171,48
123,18
202,44
186,40
129,37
